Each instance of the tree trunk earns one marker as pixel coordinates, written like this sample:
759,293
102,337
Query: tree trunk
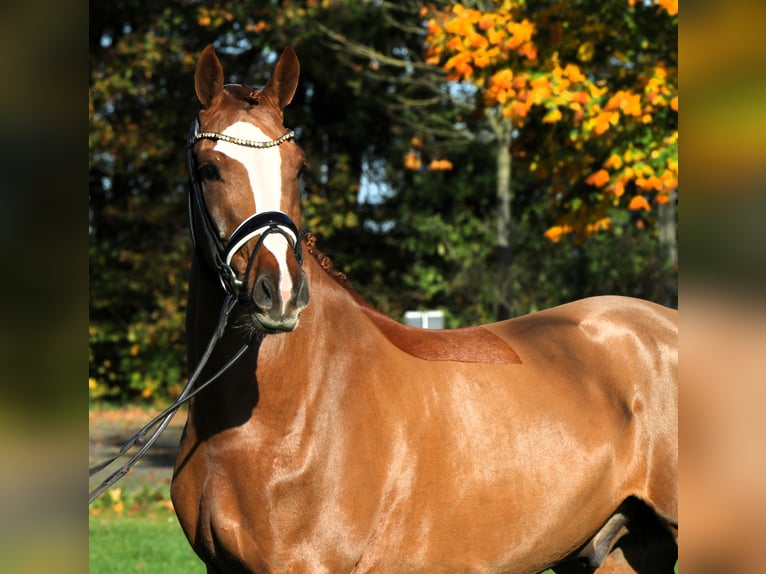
504,221
668,222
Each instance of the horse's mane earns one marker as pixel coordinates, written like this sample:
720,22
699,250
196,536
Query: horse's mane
324,261
467,345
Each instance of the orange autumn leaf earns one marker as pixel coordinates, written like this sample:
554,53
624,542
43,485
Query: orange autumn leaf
440,165
459,27
629,104
258,27
521,109
556,232
478,41
670,5
521,33
604,120
649,183
486,22
502,79
639,202
455,43
674,104
599,225
598,179
412,161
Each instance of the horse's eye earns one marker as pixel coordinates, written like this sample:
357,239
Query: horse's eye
209,172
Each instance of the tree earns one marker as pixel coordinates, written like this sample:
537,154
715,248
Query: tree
590,87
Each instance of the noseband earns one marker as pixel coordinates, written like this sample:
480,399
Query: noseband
214,252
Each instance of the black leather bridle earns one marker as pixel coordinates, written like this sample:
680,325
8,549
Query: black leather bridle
217,257
205,238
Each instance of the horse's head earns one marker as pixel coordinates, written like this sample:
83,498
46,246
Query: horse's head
245,198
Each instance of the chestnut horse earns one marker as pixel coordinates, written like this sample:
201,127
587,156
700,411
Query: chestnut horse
346,442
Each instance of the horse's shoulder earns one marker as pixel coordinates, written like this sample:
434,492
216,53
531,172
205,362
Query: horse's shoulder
464,345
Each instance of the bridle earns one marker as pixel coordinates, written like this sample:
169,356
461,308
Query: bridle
217,258
207,241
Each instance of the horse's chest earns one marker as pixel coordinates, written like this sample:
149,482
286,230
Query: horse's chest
273,512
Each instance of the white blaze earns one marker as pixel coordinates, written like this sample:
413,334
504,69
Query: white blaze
264,170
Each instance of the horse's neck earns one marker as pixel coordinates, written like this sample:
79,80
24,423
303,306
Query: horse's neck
276,373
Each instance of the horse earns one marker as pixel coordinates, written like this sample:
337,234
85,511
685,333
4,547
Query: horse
343,441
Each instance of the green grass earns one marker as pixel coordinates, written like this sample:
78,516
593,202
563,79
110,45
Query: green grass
146,543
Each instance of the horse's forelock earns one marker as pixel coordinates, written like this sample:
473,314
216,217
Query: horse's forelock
249,94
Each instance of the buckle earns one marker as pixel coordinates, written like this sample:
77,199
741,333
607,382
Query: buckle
229,279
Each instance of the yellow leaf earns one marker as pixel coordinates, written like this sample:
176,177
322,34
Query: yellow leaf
585,52
596,92
573,73
552,116
614,162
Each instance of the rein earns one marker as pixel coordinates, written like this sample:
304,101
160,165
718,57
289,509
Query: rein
164,418
218,258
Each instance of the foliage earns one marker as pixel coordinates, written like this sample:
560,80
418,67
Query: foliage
598,81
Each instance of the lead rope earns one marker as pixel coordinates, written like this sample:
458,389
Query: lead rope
164,418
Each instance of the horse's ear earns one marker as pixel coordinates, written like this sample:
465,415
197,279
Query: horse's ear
284,81
208,77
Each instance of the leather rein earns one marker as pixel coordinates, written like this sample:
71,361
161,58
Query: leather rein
217,257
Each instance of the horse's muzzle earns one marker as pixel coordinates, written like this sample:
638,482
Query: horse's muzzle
273,310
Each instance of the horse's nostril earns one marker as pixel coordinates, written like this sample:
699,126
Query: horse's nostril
263,293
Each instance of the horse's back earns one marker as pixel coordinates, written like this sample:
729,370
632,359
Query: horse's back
596,333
